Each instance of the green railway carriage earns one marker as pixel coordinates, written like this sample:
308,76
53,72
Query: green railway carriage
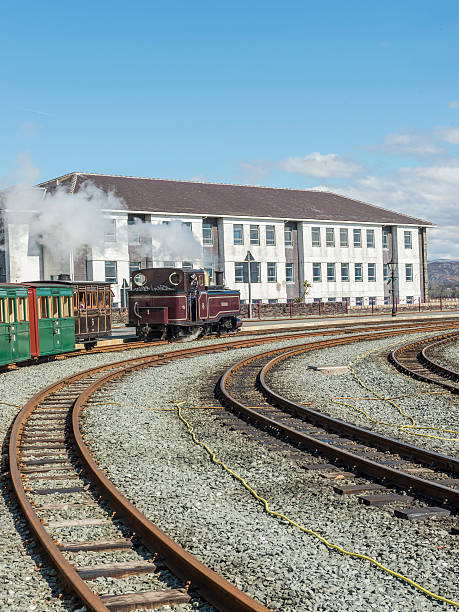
14,324
52,325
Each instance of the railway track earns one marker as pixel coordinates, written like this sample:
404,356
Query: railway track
344,328
388,461
414,359
49,460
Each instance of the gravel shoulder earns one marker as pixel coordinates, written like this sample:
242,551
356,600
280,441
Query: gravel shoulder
173,482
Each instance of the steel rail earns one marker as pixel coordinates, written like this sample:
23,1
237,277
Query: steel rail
417,353
366,466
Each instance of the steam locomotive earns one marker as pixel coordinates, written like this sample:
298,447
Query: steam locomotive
176,304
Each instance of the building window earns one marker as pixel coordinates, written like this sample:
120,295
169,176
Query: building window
289,273
272,272
345,272
372,301
239,269
357,238
358,301
315,232
133,266
255,272
110,231
168,264
332,299
330,237
110,272
346,300
344,237
188,265
408,241
408,272
358,272
238,233
272,301
270,235
254,234
317,300
371,273
186,225
386,272
288,235
331,275
316,273
210,272
386,299
410,299
207,238
370,238
385,239
134,222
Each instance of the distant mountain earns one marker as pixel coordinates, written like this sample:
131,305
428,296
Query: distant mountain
443,277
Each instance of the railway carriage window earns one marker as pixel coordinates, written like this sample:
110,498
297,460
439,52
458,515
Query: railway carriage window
11,314
101,298
107,298
2,310
22,309
54,307
43,310
66,306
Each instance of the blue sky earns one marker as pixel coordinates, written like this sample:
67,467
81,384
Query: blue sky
356,97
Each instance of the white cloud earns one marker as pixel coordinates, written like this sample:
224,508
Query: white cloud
430,193
322,166
454,104
409,143
449,135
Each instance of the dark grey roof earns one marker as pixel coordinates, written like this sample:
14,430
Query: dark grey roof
214,200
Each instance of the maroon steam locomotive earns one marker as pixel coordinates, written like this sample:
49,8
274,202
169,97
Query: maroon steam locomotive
171,303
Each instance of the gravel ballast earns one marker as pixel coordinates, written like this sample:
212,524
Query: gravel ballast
151,458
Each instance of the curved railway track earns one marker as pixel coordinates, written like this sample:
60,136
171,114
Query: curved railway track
414,360
47,448
244,389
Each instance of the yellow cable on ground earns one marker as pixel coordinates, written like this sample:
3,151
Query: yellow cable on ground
413,425
300,527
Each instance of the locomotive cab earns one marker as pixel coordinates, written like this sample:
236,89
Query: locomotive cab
174,303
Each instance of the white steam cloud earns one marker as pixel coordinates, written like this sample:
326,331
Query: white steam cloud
59,220
64,222
171,241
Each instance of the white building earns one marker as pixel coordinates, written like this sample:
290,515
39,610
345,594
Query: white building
341,246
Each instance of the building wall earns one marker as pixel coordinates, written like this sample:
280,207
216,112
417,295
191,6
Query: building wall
24,262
